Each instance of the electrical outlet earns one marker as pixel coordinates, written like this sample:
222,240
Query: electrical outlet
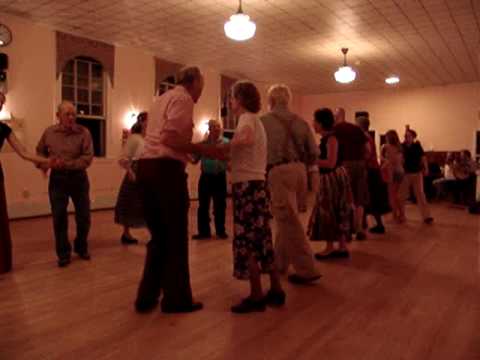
26,193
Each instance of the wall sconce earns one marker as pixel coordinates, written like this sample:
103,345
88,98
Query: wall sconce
5,115
202,127
130,118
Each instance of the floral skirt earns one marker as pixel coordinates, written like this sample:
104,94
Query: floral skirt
332,214
252,232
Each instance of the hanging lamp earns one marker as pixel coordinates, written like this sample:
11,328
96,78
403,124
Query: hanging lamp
345,74
240,27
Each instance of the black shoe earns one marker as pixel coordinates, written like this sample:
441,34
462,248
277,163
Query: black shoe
64,262
341,254
335,254
222,236
379,229
84,255
143,306
275,298
361,236
428,220
194,306
125,240
249,305
201,237
301,280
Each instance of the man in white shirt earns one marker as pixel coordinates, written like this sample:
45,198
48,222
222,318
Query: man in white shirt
163,183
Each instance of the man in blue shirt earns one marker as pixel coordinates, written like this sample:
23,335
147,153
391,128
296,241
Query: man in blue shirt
212,185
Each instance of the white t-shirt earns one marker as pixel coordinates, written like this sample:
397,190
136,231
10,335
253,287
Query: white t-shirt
249,162
133,148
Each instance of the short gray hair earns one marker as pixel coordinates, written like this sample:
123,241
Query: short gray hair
279,94
63,104
187,75
214,122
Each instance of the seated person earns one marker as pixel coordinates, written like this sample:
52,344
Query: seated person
459,178
443,184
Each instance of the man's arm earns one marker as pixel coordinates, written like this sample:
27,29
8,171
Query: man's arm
311,149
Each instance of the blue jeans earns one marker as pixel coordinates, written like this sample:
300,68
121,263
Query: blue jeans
74,184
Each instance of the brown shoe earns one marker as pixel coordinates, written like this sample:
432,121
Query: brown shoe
249,305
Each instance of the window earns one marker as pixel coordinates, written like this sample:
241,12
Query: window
229,119
83,83
166,84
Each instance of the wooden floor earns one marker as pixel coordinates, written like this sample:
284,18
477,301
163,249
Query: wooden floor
412,294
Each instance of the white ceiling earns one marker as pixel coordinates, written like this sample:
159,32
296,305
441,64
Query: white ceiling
425,42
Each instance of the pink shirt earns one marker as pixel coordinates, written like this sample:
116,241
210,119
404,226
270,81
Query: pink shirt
172,112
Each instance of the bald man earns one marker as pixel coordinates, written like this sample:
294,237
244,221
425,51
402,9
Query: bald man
212,185
71,144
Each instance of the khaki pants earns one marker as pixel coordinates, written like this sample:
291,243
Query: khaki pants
291,245
415,181
302,194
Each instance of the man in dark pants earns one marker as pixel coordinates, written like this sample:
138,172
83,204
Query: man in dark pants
212,185
163,182
71,145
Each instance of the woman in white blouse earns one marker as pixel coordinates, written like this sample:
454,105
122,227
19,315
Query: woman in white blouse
252,244
128,210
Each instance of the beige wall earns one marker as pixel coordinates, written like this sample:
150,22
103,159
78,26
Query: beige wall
33,92
445,117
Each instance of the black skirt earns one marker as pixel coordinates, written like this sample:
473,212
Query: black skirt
5,240
378,204
129,207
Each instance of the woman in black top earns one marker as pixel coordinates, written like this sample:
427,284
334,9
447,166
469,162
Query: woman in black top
331,216
5,241
416,167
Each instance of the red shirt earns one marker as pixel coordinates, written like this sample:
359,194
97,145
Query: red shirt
351,141
372,161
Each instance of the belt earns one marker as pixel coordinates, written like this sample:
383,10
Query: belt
281,162
68,171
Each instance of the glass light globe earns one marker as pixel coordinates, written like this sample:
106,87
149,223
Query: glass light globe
392,80
345,75
240,27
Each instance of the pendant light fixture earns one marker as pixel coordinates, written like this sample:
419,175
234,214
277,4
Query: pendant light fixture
345,74
240,27
392,80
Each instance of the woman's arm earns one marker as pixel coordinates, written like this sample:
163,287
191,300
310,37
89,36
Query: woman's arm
21,150
332,154
243,137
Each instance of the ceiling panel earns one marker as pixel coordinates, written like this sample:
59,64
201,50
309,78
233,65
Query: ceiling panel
425,42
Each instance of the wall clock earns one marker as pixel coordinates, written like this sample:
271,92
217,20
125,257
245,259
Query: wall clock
5,35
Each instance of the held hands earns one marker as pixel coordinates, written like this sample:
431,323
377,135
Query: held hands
219,151
56,163
131,175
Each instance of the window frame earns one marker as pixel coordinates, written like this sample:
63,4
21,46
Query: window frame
101,120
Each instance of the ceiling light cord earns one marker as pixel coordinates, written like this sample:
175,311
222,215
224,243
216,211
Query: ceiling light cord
240,10
344,51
